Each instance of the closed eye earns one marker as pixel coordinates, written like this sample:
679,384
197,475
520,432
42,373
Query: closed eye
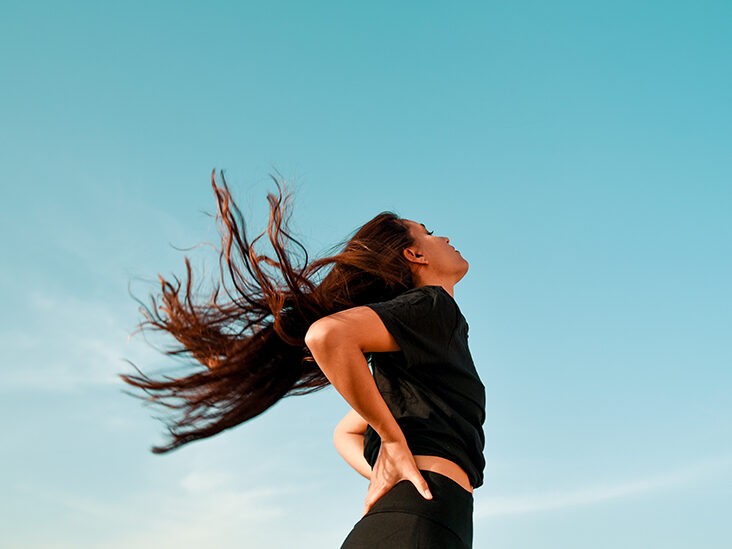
430,232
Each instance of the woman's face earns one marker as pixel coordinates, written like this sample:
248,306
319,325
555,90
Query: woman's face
435,252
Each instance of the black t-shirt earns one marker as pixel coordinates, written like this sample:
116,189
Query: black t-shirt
431,385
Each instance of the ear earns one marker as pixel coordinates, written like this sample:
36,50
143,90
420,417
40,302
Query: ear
413,256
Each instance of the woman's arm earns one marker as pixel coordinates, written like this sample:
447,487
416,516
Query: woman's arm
348,438
338,343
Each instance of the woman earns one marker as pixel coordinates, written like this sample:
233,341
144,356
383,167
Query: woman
415,429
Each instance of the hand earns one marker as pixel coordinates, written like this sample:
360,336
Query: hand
394,463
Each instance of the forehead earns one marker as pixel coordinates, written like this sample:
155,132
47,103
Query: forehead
416,228
416,225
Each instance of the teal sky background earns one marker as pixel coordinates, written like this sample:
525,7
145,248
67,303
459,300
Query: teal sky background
576,153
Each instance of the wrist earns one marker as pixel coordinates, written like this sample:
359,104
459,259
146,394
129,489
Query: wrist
397,440
389,430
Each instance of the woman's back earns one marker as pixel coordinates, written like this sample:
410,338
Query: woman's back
431,385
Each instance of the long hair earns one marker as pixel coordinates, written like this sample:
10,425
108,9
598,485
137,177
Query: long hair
249,347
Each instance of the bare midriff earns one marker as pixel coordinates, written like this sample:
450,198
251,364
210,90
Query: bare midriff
444,467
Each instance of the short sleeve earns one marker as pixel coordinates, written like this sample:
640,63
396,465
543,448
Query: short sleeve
416,319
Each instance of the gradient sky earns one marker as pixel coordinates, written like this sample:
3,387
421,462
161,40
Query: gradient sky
576,153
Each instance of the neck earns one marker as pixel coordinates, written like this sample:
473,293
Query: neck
449,285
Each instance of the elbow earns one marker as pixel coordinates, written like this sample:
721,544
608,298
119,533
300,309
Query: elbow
315,335
321,334
332,349
337,438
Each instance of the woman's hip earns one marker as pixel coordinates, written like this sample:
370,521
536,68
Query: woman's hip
403,518
444,467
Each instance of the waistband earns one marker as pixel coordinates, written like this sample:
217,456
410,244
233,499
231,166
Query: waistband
451,504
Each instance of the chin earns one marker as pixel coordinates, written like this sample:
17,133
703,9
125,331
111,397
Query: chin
463,271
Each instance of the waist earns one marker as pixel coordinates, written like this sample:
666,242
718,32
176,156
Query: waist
445,467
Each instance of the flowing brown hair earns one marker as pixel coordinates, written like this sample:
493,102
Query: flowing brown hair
249,347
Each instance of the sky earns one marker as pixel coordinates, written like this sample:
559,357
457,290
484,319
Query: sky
576,153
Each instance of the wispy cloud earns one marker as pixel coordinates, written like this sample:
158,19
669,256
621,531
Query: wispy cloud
62,343
204,509
560,499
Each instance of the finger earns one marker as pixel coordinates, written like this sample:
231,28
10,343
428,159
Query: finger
367,507
372,498
421,484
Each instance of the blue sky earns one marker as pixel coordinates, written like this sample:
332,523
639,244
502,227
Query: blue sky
576,153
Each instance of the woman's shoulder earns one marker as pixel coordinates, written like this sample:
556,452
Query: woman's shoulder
419,294
438,293
444,301
421,298
435,298
427,289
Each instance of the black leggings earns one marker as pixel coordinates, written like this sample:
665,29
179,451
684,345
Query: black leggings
403,519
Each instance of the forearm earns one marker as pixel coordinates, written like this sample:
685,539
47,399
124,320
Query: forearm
338,343
350,447
346,368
